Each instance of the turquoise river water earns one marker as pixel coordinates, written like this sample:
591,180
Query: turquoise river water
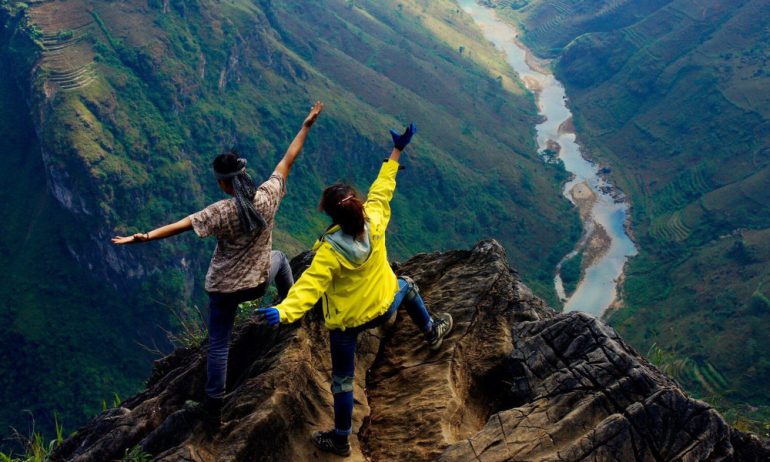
597,288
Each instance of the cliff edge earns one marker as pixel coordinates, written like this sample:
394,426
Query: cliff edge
514,381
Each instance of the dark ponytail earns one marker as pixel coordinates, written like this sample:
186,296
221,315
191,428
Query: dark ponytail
231,168
342,204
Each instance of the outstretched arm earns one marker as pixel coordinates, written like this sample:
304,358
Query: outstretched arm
185,224
381,191
284,166
304,294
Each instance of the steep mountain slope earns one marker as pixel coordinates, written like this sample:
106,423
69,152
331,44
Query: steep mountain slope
129,101
59,351
514,381
673,94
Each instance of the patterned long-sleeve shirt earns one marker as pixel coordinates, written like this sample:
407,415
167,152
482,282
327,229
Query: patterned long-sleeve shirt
240,261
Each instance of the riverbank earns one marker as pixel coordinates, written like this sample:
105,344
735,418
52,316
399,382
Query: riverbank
567,127
596,241
605,245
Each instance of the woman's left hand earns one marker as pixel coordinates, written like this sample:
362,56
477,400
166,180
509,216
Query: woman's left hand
401,140
315,111
136,238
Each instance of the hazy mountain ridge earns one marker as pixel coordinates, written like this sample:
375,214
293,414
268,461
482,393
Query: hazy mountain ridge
672,95
129,101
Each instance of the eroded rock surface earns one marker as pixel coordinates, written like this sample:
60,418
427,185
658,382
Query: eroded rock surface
514,381
592,397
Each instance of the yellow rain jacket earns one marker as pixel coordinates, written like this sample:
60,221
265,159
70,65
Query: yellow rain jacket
352,294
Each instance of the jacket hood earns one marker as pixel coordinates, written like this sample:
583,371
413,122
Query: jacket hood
355,252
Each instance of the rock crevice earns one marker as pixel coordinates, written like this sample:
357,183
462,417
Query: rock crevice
514,381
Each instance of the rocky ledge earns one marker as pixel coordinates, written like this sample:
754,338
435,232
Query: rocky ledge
514,381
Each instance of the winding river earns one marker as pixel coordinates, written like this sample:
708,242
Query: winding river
605,245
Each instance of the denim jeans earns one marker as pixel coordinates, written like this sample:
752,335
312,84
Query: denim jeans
222,310
343,351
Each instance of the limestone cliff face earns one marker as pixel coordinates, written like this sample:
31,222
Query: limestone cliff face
514,381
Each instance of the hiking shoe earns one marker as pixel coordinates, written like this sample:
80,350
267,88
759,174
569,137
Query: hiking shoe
209,411
442,325
331,442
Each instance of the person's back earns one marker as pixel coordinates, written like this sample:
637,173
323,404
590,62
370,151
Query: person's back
241,258
353,254
351,275
243,263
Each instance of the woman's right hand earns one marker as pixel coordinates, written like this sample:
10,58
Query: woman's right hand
271,315
136,238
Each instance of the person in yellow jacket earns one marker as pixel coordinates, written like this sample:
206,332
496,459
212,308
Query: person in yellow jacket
358,290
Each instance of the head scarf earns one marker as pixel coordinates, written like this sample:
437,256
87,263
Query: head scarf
244,190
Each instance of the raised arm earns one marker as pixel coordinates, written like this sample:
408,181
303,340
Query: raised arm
381,191
284,166
185,224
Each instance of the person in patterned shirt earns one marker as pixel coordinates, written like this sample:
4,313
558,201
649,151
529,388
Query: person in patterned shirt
243,263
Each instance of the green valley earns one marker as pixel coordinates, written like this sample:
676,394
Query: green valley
672,94
112,112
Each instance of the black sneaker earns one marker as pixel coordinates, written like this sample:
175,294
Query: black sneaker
209,410
331,442
442,325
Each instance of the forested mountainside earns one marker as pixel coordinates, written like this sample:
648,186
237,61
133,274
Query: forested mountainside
112,111
673,95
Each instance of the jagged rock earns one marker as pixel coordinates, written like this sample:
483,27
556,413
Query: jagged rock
514,381
420,401
594,397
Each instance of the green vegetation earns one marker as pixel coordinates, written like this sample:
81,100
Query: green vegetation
35,447
136,454
672,94
115,402
134,98
68,339
668,363
189,328
570,273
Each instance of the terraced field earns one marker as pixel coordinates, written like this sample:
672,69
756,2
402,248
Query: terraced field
552,24
68,59
131,100
636,37
709,378
670,228
673,95
687,187
685,369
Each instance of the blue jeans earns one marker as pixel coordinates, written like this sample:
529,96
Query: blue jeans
343,350
222,310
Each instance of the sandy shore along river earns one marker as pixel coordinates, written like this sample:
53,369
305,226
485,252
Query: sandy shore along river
605,244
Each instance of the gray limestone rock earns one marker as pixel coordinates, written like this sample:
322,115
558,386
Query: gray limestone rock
513,381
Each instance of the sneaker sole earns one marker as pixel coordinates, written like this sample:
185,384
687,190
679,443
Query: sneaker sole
324,449
441,340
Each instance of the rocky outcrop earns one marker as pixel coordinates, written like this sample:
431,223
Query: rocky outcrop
588,395
514,381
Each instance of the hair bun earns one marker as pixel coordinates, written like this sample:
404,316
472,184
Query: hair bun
242,162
